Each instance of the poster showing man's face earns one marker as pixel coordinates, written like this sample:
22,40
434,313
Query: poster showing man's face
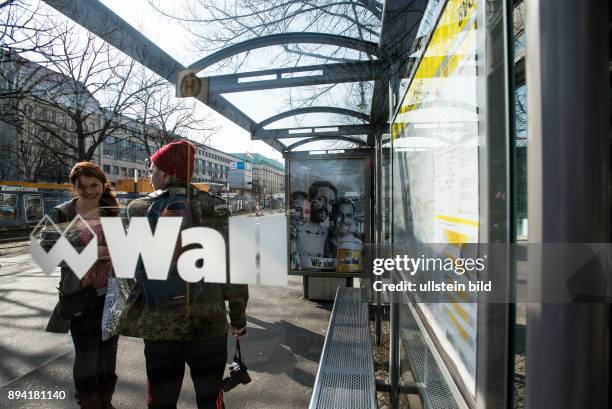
322,198
344,218
327,214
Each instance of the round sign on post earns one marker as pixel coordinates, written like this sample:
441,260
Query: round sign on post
191,85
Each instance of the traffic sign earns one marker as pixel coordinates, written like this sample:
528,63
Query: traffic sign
189,85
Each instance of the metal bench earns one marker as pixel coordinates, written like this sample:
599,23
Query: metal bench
345,378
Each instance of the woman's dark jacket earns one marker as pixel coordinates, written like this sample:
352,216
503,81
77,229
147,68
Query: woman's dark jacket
62,215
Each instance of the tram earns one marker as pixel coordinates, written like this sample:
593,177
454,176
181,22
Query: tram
23,204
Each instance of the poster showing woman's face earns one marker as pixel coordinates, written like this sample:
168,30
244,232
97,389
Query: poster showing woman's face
327,206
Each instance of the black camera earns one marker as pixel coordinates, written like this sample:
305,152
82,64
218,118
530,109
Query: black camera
237,372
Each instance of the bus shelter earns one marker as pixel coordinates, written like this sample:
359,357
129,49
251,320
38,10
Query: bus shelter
426,153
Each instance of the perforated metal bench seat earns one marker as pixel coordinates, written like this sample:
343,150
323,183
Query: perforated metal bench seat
345,378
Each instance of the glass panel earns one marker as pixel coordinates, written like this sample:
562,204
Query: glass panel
260,105
315,120
436,169
428,23
520,204
33,208
521,230
387,194
520,170
8,207
449,169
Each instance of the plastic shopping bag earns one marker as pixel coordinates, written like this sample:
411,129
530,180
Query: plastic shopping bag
117,293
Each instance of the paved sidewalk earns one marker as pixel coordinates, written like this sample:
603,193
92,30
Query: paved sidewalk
282,348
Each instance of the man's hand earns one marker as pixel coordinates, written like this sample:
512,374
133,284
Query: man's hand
238,332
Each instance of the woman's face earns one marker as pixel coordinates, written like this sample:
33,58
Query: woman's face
89,189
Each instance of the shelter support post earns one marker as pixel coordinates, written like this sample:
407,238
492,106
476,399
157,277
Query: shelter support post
568,345
378,226
394,307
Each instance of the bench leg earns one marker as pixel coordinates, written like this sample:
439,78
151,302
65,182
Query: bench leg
394,354
305,284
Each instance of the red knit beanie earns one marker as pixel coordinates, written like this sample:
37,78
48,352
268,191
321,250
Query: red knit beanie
176,159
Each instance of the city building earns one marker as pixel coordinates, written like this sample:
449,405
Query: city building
241,173
240,194
35,127
29,152
212,165
268,184
123,155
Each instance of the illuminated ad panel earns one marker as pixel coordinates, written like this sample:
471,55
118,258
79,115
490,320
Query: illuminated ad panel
327,225
435,160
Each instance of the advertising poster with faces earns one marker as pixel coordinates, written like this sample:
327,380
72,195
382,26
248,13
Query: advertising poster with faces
327,215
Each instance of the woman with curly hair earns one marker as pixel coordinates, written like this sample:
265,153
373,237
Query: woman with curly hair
82,300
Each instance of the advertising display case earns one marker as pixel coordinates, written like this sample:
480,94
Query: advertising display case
328,201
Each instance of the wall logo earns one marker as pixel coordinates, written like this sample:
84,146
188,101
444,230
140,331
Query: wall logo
63,250
257,248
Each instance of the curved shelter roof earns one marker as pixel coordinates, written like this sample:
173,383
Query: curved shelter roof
342,96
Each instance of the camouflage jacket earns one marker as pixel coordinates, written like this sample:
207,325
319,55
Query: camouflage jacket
199,310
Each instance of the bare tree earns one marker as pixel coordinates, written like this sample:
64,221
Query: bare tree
21,25
73,87
31,161
520,110
217,24
160,118
74,91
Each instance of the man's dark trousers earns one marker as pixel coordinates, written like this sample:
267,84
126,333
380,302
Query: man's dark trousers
165,362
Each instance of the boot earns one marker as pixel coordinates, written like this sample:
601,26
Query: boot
105,392
91,401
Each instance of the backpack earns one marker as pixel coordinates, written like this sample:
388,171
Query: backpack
197,209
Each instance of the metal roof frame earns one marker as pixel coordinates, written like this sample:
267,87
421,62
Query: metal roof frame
314,110
367,47
329,74
386,64
358,142
301,132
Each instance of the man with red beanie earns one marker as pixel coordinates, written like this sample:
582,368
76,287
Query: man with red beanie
174,160
182,322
